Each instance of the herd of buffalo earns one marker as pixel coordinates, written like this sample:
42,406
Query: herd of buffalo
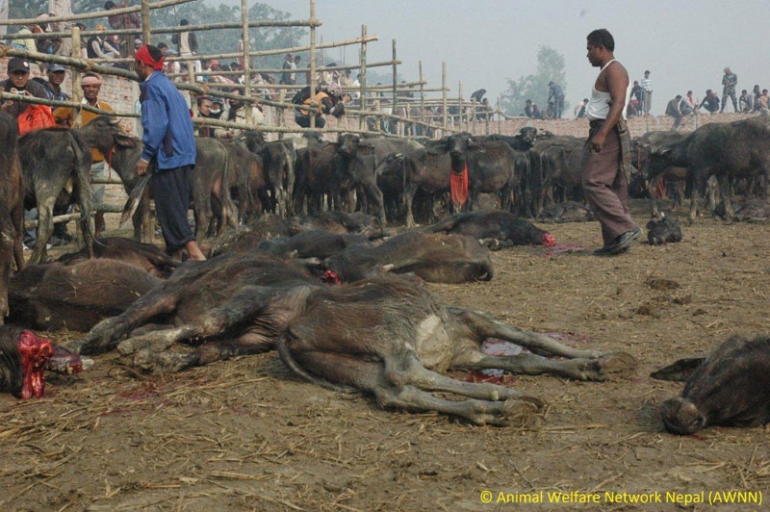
309,268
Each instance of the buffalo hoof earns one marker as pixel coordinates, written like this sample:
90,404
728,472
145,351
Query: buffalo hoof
613,366
163,362
522,413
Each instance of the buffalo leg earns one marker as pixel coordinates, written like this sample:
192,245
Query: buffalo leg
582,364
104,335
329,369
420,377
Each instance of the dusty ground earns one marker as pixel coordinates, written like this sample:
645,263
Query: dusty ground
246,435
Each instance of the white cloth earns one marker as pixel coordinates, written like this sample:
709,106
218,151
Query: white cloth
599,104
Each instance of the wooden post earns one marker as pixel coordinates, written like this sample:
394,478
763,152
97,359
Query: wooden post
312,83
422,95
460,105
362,119
394,91
443,93
499,115
77,89
246,63
145,25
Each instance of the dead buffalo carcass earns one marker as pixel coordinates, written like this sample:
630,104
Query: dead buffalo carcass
147,257
730,387
23,359
75,296
392,338
234,304
56,164
434,257
11,207
315,243
505,228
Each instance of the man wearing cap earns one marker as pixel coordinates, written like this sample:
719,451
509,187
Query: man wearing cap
18,82
53,88
169,143
65,116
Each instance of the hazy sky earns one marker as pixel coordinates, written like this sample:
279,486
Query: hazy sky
685,44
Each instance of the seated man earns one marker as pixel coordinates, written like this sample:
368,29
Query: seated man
710,102
328,101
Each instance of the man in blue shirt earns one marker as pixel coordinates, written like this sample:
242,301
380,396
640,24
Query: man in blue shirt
169,143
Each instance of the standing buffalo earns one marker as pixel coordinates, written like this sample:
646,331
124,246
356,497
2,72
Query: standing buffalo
56,164
728,151
11,207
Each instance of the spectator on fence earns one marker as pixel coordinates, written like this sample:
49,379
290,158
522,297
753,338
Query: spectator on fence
56,73
745,102
756,92
214,68
187,46
169,67
19,82
673,110
688,104
532,111
237,112
48,45
710,102
646,84
58,9
97,49
729,83
91,84
764,102
206,111
636,98
327,101
287,77
3,17
305,75
129,20
580,109
26,43
556,95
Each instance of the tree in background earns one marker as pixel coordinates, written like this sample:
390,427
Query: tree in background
550,67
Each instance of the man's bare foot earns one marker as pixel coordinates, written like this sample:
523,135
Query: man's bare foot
194,251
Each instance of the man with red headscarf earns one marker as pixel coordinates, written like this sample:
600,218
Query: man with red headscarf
169,144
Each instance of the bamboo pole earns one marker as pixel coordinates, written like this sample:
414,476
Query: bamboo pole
313,49
92,15
394,93
246,61
362,79
145,24
422,93
443,94
364,45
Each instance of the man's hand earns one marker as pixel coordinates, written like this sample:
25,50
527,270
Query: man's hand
597,142
141,167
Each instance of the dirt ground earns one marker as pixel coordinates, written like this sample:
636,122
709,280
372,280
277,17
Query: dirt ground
246,435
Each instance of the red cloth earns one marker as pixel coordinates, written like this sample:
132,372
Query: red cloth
143,56
458,185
